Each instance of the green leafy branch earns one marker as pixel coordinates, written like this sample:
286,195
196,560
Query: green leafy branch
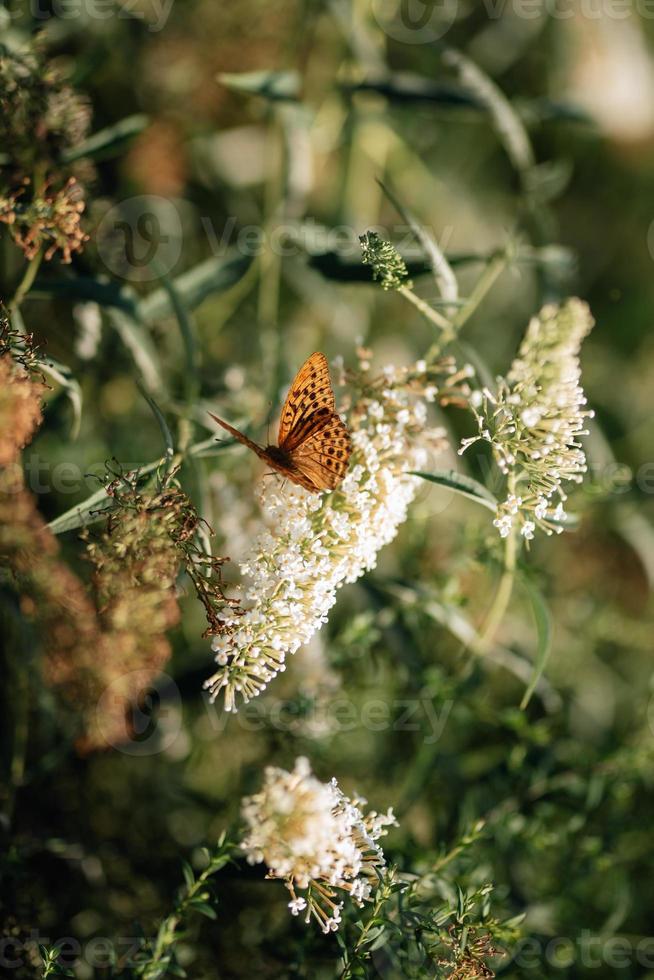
158,959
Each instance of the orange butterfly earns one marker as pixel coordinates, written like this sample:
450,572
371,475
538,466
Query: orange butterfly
314,445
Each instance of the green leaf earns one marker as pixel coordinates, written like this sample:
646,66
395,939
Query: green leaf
187,330
214,275
441,269
204,909
189,876
543,622
109,141
161,421
464,485
376,939
548,180
405,86
507,124
277,86
64,376
85,288
138,342
81,515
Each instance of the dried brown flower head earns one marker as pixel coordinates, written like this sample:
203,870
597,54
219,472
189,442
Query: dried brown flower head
41,117
42,178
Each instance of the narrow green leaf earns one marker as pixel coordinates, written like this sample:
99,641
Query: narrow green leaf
141,346
441,269
86,288
507,124
214,275
64,376
464,485
85,513
543,621
548,180
278,86
81,515
189,877
405,86
187,330
161,421
377,939
109,141
204,909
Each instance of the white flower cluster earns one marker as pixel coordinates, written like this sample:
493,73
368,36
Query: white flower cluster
535,419
311,544
317,840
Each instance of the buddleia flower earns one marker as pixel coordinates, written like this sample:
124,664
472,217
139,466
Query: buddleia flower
534,421
310,545
316,840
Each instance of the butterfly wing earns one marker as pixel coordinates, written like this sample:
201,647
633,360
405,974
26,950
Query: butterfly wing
314,444
310,395
322,458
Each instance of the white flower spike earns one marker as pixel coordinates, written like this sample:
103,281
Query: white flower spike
315,839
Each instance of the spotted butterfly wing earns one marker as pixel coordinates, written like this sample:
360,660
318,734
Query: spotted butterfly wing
323,456
314,444
310,397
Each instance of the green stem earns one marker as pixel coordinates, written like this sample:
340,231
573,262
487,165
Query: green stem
26,282
384,892
433,315
485,283
167,934
504,592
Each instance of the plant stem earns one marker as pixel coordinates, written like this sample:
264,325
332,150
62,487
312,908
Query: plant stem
384,892
167,933
485,283
505,590
437,318
26,282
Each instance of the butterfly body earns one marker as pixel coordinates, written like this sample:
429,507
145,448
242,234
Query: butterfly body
314,444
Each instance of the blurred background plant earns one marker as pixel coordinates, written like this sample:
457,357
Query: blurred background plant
228,158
